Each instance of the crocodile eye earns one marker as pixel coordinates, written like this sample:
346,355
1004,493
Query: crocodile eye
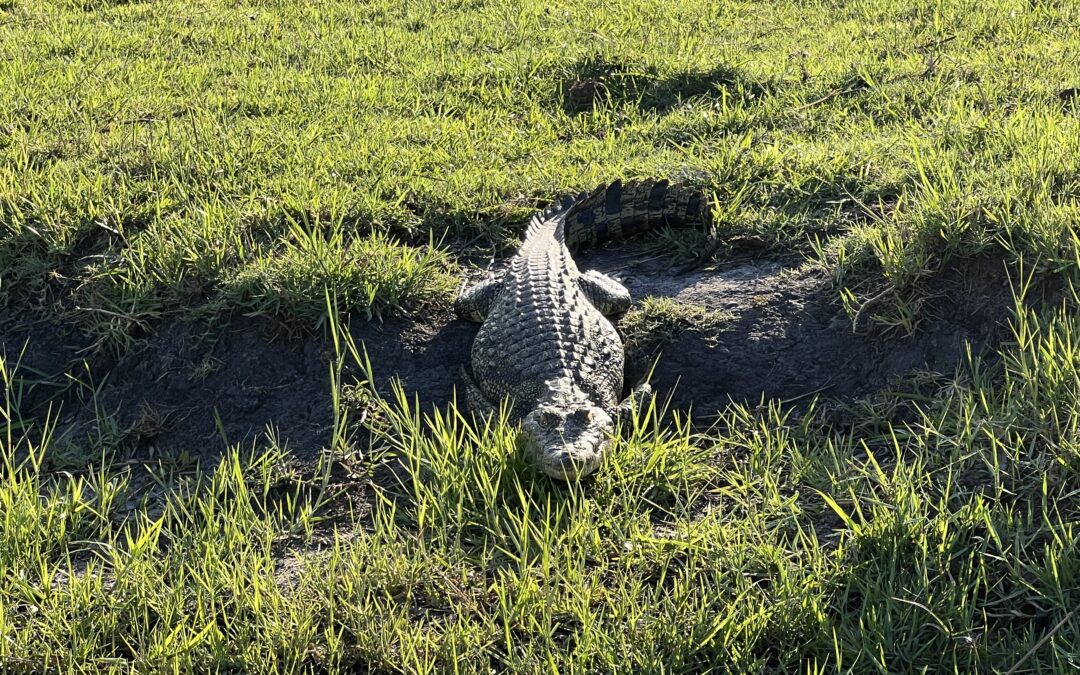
583,416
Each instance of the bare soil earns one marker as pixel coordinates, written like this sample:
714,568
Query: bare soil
194,388
790,338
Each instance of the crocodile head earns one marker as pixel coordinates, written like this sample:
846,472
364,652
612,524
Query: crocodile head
567,435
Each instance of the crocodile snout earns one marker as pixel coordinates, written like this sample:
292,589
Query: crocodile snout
568,441
572,462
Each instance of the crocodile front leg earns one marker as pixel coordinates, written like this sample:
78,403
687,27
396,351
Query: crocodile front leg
474,398
639,399
606,294
474,302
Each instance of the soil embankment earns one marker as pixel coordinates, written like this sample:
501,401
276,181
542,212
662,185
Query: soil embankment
189,387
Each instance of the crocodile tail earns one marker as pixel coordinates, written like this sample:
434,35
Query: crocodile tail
619,210
553,213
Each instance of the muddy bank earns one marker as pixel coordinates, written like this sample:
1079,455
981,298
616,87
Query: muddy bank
788,338
192,388
196,389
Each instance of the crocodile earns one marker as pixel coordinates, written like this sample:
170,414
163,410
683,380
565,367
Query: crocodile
546,345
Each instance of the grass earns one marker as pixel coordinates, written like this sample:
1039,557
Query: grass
770,541
658,321
166,159
155,157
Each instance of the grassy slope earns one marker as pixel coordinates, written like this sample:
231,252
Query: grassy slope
160,155
166,156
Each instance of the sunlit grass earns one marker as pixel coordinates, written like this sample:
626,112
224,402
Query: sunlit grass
156,157
162,158
659,320
769,541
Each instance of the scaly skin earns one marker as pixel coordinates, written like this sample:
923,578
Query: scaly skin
546,344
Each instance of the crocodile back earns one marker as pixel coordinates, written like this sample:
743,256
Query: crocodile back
542,328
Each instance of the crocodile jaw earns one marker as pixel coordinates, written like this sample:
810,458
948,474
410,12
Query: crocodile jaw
568,442
573,463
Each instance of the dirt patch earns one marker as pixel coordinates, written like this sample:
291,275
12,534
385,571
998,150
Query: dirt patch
196,389
787,338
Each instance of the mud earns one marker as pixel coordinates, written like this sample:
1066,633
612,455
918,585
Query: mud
789,338
195,389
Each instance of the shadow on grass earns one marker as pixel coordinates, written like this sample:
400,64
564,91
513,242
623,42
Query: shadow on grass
94,5
596,81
